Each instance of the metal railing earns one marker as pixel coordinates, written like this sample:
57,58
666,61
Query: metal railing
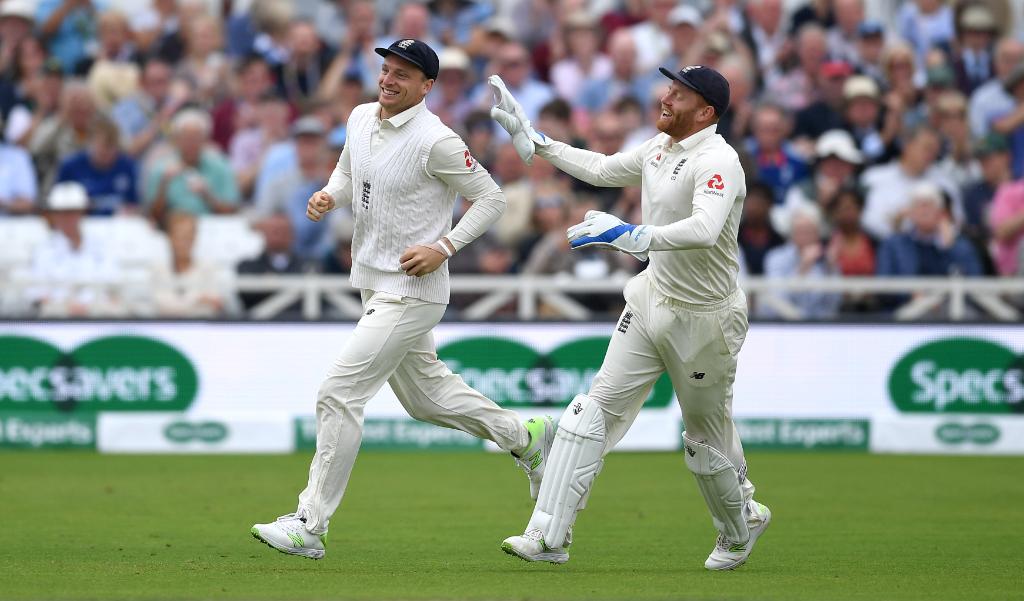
988,295
523,297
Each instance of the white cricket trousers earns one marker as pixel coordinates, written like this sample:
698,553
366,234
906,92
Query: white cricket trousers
391,343
697,345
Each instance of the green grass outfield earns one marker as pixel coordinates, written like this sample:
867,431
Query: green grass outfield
428,526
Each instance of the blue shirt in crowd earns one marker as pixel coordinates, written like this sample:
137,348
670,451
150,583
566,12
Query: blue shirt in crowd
109,189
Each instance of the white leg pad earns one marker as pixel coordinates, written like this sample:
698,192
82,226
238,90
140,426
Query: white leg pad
576,458
719,483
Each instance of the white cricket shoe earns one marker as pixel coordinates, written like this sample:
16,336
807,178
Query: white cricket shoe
728,555
288,534
534,458
531,547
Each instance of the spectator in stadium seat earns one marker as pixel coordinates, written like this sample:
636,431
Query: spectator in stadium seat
250,145
510,173
20,83
902,80
74,273
803,256
777,162
1006,221
795,87
991,100
252,80
756,234
734,125
17,21
277,257
157,29
862,114
113,69
623,81
926,24
889,186
850,249
513,65
64,132
844,35
972,60
299,77
765,34
288,193
188,287
837,160
108,175
993,155
931,246
193,178
18,184
870,47
827,112
449,100
143,117
204,65
1011,124
69,28
452,21
959,161
651,35
583,63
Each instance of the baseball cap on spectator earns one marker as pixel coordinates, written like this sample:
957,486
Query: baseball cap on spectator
927,192
452,58
838,143
684,13
939,76
67,196
870,29
21,9
977,18
836,68
860,86
707,82
416,52
308,126
990,144
501,26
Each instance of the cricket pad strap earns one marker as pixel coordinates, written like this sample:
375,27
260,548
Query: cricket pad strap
576,458
719,482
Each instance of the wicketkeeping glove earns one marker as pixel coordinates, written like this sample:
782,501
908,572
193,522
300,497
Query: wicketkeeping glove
601,229
509,114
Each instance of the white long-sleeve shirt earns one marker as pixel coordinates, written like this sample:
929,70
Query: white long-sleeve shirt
692,191
410,209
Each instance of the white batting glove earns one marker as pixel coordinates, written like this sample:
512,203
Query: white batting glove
604,230
509,114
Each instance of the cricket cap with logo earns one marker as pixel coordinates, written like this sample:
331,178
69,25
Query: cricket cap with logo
710,84
417,53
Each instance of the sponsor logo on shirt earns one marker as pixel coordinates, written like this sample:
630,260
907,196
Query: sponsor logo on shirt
471,163
715,185
678,167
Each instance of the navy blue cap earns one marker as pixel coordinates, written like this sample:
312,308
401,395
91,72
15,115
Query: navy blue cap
417,53
707,82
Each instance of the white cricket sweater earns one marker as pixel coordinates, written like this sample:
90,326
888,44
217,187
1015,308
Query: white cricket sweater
402,195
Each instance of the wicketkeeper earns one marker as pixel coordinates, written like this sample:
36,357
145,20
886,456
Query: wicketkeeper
684,314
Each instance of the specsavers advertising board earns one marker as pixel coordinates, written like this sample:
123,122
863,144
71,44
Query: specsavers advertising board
243,387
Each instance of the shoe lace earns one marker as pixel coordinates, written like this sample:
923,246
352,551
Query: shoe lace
534,534
291,516
722,543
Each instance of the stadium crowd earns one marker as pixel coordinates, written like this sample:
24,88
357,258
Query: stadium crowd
885,139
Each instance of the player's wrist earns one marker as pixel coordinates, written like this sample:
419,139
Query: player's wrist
446,247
